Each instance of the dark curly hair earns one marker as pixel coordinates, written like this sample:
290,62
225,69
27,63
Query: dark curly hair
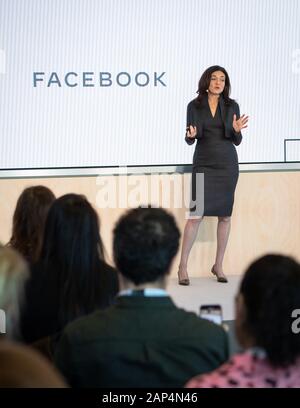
145,242
204,82
29,221
271,291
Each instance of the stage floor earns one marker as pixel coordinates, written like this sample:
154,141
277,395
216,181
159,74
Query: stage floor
206,290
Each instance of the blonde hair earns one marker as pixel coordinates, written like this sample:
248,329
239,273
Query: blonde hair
23,367
13,275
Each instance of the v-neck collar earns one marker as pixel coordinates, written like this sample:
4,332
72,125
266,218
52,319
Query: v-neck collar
213,116
221,105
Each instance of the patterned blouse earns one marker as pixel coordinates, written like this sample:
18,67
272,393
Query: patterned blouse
249,370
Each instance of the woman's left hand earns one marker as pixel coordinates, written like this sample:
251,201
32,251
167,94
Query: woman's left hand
239,124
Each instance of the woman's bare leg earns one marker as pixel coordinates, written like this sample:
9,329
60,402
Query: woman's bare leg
189,236
223,231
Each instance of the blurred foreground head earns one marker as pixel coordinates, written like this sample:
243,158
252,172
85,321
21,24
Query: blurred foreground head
13,275
145,242
29,220
22,367
269,292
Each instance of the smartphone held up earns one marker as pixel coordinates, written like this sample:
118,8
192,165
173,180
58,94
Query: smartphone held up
212,313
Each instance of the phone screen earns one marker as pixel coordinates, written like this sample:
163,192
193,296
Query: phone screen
212,313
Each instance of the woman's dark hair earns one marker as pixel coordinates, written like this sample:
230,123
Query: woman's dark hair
29,220
145,242
271,291
71,251
204,82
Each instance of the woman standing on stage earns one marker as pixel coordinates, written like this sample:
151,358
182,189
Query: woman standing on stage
214,120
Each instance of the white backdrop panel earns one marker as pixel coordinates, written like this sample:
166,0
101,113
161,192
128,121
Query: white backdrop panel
257,41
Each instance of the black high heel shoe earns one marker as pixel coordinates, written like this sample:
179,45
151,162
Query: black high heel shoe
183,282
221,279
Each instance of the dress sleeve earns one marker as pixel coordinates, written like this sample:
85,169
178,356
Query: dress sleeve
236,136
189,121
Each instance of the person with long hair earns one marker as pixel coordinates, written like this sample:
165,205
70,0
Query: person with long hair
14,273
267,328
213,118
29,221
71,277
20,365
144,339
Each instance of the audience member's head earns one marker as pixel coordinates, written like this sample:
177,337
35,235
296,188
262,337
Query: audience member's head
29,220
269,292
22,367
13,274
71,249
145,242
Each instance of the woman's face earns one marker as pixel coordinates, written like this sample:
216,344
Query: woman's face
217,83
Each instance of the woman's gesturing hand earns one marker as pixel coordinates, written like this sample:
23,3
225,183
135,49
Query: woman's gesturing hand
240,124
191,132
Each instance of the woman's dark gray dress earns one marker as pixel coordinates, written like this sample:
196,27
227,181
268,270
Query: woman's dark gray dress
215,157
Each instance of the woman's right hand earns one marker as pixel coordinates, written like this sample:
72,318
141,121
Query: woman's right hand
191,132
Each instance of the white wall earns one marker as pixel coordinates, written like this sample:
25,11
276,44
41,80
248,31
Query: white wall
257,41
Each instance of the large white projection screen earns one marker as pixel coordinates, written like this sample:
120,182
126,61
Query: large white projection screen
106,82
